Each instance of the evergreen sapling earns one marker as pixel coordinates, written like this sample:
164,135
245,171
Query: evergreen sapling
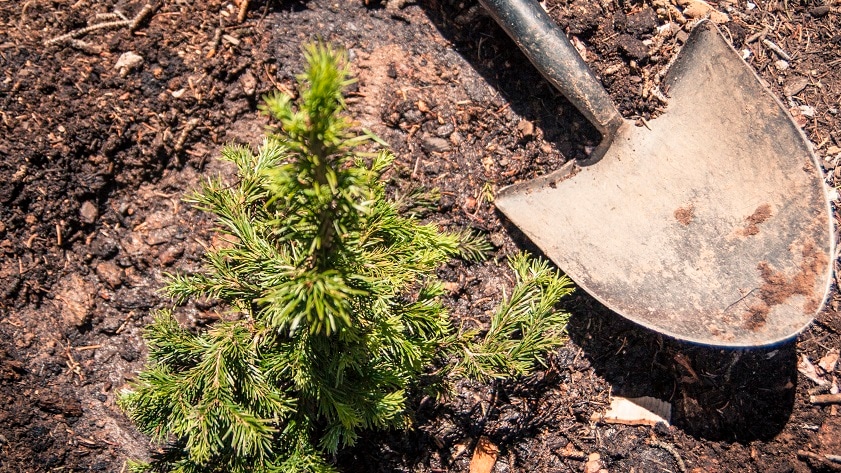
333,307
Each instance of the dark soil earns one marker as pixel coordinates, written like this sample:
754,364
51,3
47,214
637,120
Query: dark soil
94,161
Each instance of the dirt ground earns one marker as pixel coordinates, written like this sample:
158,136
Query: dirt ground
103,130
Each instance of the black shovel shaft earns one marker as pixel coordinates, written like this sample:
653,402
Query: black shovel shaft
548,48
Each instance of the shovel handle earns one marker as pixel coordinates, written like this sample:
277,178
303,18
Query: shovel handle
548,48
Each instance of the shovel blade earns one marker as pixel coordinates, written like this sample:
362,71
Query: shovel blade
711,224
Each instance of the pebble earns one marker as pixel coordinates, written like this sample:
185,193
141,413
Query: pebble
128,61
110,274
594,464
88,212
526,128
249,83
170,254
435,144
700,9
445,130
497,239
781,65
820,11
160,236
795,85
76,296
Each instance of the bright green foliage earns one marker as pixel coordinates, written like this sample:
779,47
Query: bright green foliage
523,328
335,310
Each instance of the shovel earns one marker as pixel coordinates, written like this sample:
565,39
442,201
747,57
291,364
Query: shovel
710,224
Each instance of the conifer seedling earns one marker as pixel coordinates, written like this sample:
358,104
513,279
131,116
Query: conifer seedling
333,308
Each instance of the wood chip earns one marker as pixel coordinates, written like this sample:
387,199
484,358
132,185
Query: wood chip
807,369
231,39
825,399
829,361
484,457
637,411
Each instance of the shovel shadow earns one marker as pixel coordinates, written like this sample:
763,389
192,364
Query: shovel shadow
501,65
735,395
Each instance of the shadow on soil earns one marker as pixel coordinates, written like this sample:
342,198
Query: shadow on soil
495,57
718,394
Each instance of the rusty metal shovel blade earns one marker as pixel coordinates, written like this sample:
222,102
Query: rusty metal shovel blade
711,224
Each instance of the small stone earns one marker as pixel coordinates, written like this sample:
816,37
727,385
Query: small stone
700,9
128,61
110,274
76,297
170,254
110,325
249,83
88,212
795,85
445,130
129,353
526,128
435,144
497,239
781,65
161,236
820,11
594,463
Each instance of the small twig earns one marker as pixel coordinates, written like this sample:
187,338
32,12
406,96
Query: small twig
773,47
243,10
672,451
133,24
214,43
126,320
84,46
182,137
71,362
87,347
83,31
829,461
825,399
140,17
756,36
110,16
